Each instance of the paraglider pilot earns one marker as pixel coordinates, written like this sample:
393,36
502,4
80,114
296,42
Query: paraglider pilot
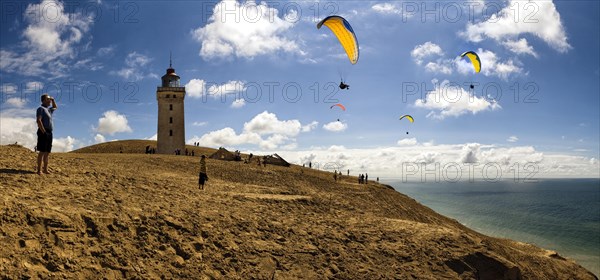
344,86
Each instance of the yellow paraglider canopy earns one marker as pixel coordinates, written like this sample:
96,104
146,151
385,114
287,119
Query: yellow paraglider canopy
345,34
474,60
408,117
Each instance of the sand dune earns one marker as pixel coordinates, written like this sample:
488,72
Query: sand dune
105,214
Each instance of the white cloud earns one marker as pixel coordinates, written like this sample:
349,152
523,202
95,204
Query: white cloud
245,30
8,88
112,122
33,86
267,123
99,138
50,41
520,47
446,160
335,126
387,8
153,137
425,50
65,144
238,103
195,88
199,123
230,87
134,67
106,51
407,142
265,130
135,59
538,18
16,102
512,139
448,99
490,65
441,66
309,127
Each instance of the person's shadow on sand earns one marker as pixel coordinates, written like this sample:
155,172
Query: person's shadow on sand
15,171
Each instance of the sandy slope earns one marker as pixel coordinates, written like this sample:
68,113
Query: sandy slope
142,216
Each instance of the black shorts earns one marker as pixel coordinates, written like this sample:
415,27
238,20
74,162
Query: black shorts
202,178
44,142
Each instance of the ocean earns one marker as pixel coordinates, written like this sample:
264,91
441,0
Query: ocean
555,214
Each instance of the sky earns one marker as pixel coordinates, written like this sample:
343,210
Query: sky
260,77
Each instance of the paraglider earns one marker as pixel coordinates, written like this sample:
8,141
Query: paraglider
338,105
474,58
409,118
344,33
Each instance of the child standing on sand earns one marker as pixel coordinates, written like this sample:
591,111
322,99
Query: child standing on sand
202,177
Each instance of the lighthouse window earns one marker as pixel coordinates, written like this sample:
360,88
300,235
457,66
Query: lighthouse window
168,95
170,107
174,96
171,120
170,132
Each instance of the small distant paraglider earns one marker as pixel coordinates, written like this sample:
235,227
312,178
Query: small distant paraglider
409,118
474,58
338,105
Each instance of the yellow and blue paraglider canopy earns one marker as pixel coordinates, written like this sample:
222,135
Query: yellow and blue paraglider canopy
408,117
345,34
338,105
474,60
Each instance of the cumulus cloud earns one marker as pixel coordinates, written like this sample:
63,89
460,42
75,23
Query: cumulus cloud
336,126
425,50
520,47
50,38
538,18
112,122
245,30
448,99
219,90
264,130
442,66
238,103
16,102
407,142
471,160
267,123
309,127
195,88
99,138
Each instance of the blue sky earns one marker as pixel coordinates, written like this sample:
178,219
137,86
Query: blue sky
103,62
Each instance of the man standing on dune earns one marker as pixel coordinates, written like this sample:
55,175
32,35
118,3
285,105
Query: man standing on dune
45,125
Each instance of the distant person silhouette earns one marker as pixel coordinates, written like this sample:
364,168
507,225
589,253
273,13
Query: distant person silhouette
202,177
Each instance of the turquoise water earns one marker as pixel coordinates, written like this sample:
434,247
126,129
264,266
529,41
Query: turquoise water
556,214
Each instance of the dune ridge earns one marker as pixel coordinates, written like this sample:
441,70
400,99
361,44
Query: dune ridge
111,215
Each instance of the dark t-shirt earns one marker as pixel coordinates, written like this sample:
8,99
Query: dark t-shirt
46,114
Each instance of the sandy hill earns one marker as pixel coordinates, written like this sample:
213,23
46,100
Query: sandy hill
125,215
